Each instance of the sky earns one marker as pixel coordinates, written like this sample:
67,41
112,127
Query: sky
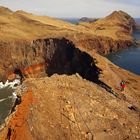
74,8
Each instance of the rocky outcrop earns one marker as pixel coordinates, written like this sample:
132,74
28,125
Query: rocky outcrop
49,56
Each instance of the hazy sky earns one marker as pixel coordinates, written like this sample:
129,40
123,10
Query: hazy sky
74,8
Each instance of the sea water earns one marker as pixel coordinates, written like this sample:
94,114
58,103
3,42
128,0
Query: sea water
129,58
6,98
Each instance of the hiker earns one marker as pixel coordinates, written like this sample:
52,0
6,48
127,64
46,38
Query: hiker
122,84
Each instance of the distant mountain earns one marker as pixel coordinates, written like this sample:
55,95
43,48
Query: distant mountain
86,19
137,20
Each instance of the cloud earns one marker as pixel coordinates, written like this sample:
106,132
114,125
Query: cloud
74,8
132,2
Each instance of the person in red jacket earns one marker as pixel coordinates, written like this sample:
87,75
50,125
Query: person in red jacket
122,84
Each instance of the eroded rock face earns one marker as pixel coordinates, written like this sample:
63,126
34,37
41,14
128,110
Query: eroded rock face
104,45
52,54
18,55
64,58
49,56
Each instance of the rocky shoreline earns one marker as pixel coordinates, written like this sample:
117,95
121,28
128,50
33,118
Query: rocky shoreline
20,90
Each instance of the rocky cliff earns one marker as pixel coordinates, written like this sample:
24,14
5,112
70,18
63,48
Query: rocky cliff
73,91
21,32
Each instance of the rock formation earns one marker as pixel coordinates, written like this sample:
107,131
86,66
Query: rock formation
73,91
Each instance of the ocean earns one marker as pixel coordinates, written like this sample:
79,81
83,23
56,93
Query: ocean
137,20
129,58
6,98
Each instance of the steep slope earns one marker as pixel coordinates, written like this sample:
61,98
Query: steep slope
113,32
26,26
69,107
117,25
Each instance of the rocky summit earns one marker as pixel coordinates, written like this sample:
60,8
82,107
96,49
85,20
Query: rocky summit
70,91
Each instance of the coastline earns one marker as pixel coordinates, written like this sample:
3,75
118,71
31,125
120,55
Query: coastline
128,58
9,120
16,89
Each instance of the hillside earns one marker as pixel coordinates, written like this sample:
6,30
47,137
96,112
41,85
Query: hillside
22,25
